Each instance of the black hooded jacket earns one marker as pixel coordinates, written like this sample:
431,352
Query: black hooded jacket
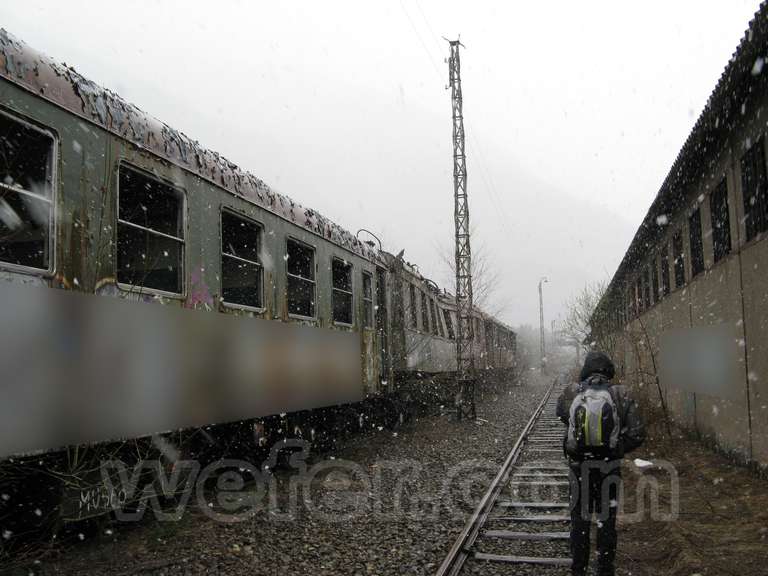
599,366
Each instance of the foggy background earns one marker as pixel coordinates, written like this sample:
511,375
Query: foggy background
574,112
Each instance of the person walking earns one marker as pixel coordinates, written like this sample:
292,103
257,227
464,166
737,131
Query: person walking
603,423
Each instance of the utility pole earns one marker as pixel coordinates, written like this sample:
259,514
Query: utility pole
542,345
465,366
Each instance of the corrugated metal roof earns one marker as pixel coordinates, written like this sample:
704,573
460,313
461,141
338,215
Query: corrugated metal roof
704,141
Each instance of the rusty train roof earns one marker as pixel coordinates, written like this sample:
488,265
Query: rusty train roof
736,84
66,88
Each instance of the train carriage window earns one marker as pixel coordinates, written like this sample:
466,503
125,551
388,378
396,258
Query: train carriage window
721,223
679,259
367,299
664,262
150,232
437,320
433,316
412,314
449,324
489,335
26,193
754,189
300,286
697,246
241,270
341,292
424,313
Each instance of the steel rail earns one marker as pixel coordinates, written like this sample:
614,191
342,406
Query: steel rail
460,550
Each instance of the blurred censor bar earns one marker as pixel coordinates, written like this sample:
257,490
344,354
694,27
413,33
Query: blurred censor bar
80,369
702,360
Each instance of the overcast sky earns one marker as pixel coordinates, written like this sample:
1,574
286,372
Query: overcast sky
574,111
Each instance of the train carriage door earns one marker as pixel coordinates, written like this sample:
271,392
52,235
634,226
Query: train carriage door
381,328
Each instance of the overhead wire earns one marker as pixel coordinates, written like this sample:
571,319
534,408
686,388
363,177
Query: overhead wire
421,41
485,175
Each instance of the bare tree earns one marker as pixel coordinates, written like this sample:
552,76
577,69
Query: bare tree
632,337
640,341
485,279
576,327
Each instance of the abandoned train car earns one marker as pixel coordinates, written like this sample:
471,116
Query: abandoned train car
689,302
423,328
222,301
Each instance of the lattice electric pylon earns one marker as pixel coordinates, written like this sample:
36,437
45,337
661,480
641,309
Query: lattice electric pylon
465,366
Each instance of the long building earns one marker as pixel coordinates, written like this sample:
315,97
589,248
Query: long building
686,313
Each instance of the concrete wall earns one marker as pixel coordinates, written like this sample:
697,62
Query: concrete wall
728,301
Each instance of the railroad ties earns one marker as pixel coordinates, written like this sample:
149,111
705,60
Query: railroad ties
529,522
524,517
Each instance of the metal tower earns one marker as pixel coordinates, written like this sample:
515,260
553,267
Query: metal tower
465,368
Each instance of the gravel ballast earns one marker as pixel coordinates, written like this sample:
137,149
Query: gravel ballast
384,502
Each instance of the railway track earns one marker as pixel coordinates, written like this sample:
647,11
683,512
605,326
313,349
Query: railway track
523,518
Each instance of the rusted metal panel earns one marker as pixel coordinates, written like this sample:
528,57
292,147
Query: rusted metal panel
65,87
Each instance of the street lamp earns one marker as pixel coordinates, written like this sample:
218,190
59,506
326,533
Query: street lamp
542,347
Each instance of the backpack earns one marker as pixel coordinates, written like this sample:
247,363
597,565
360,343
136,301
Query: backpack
593,424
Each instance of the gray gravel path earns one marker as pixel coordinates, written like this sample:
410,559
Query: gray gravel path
388,503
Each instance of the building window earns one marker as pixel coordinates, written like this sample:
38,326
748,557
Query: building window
150,233
26,193
241,271
697,245
753,189
300,285
679,259
424,313
433,316
367,299
646,288
341,292
655,296
412,316
665,284
721,222
449,324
